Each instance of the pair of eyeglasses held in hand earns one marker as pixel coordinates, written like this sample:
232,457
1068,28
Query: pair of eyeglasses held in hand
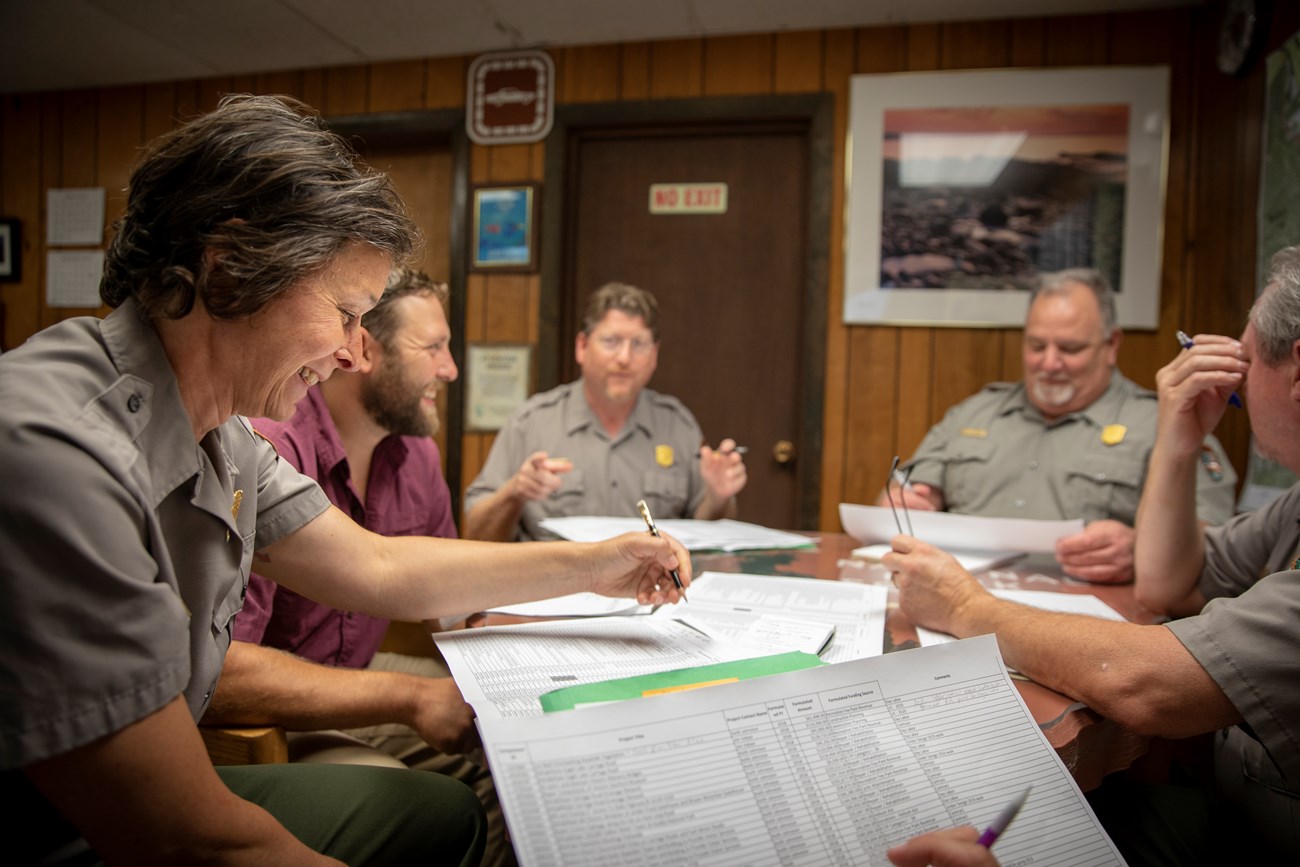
899,477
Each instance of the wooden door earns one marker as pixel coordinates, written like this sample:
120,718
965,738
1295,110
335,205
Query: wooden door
730,285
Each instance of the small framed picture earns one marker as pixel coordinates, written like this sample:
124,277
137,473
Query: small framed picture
504,235
497,377
11,250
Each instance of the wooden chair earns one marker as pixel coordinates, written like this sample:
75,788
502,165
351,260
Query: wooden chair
245,745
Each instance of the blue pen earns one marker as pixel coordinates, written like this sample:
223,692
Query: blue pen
1186,343
999,825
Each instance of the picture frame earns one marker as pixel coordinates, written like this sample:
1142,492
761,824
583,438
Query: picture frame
964,187
497,377
504,232
11,250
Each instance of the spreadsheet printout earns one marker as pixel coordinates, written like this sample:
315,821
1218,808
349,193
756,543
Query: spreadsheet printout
725,601
503,670
830,765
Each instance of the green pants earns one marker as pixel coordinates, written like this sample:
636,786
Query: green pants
363,815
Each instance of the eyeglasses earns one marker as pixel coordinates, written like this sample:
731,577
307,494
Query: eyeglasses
899,477
612,344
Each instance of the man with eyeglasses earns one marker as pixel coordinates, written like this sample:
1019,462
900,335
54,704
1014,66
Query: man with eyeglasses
599,444
1070,441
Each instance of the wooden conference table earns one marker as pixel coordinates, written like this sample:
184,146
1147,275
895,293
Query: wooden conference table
1090,745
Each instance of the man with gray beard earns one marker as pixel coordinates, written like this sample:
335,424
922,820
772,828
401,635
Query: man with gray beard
1071,440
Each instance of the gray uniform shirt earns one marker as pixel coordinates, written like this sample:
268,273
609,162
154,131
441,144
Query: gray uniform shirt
127,545
653,457
1246,639
995,455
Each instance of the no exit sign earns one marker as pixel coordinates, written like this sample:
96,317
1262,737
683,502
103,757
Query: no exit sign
688,198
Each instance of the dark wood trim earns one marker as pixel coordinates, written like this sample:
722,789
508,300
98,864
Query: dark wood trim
443,128
811,112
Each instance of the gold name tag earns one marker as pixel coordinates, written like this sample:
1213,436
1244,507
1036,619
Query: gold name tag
976,432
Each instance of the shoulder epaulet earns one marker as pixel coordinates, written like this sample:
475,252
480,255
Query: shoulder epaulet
257,433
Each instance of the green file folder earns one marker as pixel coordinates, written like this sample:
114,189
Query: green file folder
681,679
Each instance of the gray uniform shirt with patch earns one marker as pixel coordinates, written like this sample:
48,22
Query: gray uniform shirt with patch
124,557
1247,637
652,457
995,455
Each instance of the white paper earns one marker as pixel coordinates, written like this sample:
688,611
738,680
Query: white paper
1067,603
75,215
765,634
829,765
728,602
574,605
502,671
72,277
950,531
695,535
971,561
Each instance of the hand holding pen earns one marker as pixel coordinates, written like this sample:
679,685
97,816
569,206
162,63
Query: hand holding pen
1186,343
654,531
951,847
1195,389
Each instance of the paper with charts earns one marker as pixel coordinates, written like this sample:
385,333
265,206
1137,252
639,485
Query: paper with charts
695,535
948,530
829,765
736,606
502,670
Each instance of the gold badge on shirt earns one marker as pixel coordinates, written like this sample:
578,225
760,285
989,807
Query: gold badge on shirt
234,508
978,433
664,456
1113,434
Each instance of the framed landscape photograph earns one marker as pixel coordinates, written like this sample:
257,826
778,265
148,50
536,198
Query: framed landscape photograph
504,234
964,187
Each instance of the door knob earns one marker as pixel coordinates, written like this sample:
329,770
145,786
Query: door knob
783,452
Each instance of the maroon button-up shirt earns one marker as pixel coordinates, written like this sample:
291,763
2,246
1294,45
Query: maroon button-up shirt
406,495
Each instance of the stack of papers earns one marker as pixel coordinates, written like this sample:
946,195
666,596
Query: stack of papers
831,764
502,671
724,535
762,613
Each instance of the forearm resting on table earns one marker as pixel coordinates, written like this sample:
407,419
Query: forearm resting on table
1139,676
495,517
264,686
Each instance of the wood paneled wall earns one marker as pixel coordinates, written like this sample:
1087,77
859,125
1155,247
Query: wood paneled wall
884,386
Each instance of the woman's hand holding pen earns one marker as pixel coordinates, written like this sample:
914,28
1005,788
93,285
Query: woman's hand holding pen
640,565
1195,389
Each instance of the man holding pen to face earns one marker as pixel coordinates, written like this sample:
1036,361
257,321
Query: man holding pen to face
1229,666
598,445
